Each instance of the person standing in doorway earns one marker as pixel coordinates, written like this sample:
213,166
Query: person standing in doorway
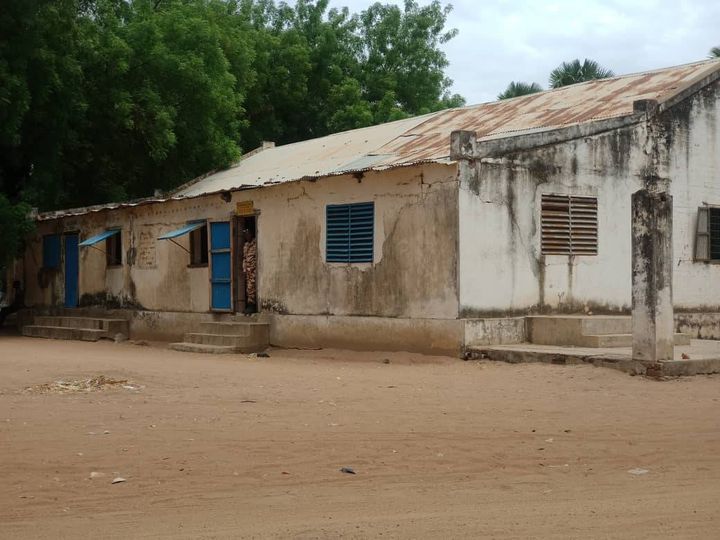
249,266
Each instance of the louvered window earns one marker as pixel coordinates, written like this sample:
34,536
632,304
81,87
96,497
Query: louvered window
350,232
569,225
714,233
707,239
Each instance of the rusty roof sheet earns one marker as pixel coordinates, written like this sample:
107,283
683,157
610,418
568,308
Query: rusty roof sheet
552,109
427,138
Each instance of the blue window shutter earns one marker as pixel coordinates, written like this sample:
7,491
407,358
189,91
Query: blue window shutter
350,232
51,251
362,225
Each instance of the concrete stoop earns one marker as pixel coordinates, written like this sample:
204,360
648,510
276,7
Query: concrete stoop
593,331
702,364
76,328
599,340
226,338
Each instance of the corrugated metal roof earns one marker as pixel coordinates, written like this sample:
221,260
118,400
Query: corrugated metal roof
427,138
315,157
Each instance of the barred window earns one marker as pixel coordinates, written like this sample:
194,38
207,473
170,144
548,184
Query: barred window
707,238
569,225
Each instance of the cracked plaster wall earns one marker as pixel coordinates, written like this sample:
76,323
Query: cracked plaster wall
502,270
414,272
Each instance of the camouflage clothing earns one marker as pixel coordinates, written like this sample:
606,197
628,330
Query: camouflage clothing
249,265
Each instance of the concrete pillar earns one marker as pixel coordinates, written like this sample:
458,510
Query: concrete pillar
463,145
652,265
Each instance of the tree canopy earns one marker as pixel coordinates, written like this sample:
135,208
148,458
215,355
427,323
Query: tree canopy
517,89
565,74
715,52
104,100
575,71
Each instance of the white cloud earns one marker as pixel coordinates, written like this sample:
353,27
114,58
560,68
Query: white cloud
523,40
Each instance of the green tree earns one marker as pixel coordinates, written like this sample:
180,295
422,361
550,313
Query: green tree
575,72
715,52
401,59
321,70
517,89
168,104
15,225
39,97
104,100
123,97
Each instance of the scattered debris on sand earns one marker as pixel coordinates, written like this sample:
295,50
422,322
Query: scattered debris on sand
94,384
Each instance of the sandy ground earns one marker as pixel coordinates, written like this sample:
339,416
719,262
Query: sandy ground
236,447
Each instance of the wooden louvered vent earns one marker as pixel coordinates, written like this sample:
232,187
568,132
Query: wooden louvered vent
569,225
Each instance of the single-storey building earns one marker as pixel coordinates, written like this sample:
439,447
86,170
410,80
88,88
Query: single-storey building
429,234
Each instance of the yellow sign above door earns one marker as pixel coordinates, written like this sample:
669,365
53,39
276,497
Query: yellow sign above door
245,208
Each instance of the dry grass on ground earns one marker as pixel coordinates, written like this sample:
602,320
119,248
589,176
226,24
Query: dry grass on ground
233,447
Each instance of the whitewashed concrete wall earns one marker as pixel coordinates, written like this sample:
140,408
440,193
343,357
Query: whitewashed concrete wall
502,270
694,169
413,273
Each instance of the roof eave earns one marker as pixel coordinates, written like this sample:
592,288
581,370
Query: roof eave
689,89
82,211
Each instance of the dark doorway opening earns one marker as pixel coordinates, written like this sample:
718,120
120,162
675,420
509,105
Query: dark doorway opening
246,264
72,270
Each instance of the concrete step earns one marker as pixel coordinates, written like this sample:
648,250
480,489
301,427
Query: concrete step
578,330
63,332
608,340
220,339
606,325
235,328
624,340
111,326
201,348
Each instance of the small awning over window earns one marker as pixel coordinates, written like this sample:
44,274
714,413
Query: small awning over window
182,230
99,237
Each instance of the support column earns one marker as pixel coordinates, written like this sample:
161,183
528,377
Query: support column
652,265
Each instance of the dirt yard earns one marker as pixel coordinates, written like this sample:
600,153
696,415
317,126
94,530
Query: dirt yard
236,447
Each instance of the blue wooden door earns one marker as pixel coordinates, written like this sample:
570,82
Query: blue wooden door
72,266
220,266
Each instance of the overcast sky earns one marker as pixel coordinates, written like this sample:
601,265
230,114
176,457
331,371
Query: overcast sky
523,40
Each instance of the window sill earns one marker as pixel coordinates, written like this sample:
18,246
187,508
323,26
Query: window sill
111,266
203,265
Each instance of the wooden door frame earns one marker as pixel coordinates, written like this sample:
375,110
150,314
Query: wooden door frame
238,242
239,295
63,237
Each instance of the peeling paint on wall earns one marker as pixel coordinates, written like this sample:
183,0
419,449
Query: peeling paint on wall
502,270
413,274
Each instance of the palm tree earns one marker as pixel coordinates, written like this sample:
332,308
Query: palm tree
516,89
575,71
715,52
